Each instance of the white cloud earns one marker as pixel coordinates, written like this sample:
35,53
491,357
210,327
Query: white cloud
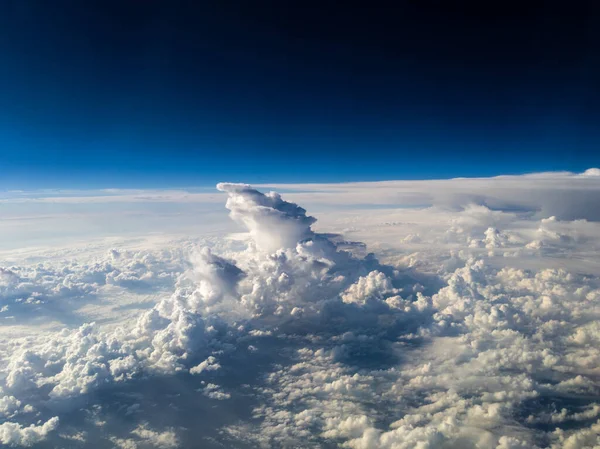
14,434
479,330
213,391
272,222
161,440
210,364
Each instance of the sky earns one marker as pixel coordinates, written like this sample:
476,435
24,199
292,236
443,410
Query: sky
154,94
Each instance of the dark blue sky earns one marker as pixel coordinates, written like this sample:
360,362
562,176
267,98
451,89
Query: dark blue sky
143,93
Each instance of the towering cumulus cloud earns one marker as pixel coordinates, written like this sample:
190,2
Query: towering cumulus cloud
296,338
272,222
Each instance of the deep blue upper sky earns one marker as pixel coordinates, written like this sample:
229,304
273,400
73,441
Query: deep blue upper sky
176,93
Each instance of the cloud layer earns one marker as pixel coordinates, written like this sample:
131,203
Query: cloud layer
479,329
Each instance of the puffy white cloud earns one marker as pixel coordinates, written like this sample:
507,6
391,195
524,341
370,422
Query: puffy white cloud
272,222
373,286
210,364
146,437
297,338
213,391
14,434
161,440
588,438
591,172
